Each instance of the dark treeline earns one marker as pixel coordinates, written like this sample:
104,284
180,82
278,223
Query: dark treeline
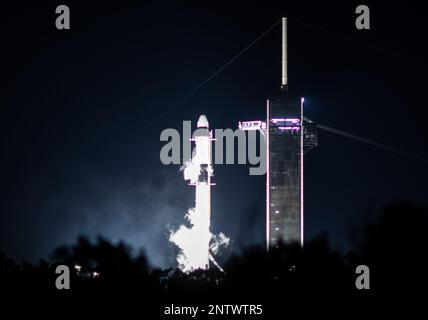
394,248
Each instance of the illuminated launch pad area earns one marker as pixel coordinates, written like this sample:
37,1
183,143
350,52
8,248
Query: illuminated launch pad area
287,135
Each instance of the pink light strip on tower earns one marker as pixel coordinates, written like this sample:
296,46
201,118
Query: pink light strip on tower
302,100
289,128
267,177
292,120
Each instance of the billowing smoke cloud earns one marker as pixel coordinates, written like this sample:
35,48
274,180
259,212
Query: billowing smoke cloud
196,242
135,208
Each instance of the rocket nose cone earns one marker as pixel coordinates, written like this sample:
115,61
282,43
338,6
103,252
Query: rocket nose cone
202,122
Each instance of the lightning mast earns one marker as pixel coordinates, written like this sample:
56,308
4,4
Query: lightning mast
284,56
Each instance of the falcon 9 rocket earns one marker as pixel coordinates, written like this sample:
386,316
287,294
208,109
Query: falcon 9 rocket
201,163
197,243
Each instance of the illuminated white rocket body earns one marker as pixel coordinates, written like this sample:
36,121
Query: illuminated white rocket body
197,243
199,174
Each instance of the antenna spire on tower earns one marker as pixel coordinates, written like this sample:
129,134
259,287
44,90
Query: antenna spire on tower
284,82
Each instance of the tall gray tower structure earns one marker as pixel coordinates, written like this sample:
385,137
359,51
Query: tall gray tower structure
288,134
284,172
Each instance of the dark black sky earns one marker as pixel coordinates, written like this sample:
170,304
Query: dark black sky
81,115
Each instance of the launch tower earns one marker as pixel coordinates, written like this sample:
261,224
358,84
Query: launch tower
288,134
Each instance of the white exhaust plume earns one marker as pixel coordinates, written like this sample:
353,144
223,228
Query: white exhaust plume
197,244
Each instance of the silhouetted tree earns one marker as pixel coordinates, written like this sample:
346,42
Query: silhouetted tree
394,249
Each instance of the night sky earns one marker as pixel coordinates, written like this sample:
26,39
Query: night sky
82,111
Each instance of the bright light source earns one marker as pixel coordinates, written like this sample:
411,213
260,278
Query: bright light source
302,99
196,242
77,267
